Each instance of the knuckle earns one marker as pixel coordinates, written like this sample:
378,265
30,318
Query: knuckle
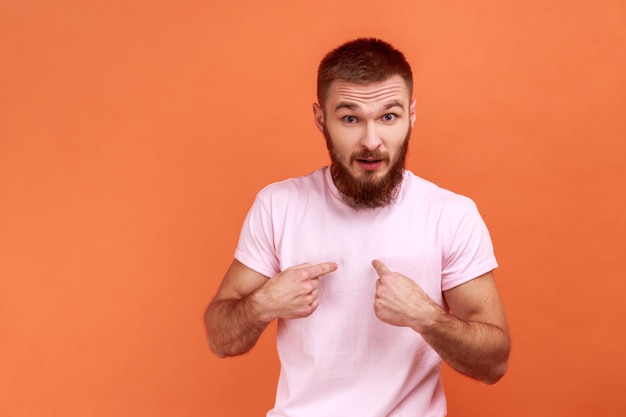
304,274
309,310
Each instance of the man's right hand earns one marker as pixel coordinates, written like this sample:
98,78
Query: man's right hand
293,293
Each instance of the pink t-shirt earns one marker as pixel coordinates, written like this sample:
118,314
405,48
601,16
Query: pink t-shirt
342,360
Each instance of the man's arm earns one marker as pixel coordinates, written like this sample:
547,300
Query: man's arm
232,320
473,338
247,302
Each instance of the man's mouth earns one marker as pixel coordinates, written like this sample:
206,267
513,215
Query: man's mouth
369,164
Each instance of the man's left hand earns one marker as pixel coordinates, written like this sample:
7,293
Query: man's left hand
400,301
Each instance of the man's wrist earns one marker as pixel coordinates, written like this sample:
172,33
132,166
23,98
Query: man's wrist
257,308
432,323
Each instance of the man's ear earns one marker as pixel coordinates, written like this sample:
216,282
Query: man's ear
318,116
412,111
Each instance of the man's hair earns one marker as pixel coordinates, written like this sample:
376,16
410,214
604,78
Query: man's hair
364,60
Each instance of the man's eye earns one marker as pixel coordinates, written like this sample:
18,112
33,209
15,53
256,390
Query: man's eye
349,119
390,117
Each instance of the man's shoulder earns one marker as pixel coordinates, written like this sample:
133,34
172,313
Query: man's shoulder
433,194
294,187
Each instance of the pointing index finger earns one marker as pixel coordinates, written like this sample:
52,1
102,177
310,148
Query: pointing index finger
322,269
380,267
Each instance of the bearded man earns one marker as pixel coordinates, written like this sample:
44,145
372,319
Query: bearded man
374,274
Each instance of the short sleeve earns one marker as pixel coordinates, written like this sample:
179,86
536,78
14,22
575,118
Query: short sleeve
256,247
470,251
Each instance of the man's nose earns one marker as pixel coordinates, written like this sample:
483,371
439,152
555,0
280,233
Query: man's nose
371,139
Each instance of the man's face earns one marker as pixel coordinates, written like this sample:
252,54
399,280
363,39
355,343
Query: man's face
367,128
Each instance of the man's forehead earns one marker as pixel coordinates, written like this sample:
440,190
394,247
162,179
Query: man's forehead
342,93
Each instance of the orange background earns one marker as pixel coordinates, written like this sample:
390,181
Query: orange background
135,134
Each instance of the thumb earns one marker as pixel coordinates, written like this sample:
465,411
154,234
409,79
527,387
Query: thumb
380,268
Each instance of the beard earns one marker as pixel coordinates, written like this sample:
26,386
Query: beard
368,192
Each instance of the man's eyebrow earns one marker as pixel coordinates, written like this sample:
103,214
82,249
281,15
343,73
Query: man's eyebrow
395,103
354,107
346,105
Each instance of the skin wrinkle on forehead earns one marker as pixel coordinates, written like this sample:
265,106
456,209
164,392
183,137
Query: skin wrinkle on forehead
344,92
356,107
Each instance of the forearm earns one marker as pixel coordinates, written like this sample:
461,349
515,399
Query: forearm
233,326
478,350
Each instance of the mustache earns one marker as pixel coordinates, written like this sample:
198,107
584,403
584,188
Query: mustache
369,155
